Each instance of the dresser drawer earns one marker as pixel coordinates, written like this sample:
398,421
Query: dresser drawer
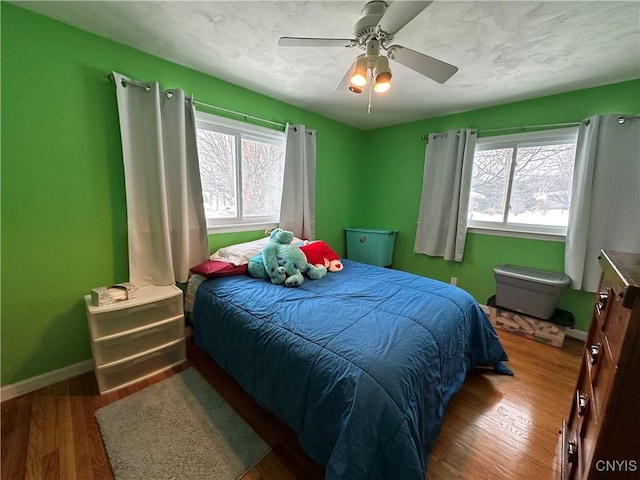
119,375
113,322
601,383
616,325
611,276
568,452
604,297
121,346
582,405
587,442
594,350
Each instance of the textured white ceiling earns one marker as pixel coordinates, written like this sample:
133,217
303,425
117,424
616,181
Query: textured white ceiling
505,51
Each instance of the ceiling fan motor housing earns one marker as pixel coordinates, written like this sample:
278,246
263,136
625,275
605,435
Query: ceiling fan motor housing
373,47
366,25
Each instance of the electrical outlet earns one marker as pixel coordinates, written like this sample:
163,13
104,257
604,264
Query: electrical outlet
454,280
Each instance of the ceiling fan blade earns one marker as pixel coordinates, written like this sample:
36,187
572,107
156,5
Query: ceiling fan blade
428,66
343,84
399,14
315,42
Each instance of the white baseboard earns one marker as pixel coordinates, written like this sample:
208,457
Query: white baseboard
577,334
13,390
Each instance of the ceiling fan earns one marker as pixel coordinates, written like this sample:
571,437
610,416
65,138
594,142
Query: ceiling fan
374,32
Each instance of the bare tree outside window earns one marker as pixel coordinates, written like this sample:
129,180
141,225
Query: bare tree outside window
242,172
541,192
523,184
489,184
216,152
262,175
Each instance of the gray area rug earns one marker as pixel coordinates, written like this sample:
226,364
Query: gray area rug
179,428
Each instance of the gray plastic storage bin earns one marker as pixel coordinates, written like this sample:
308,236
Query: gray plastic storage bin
371,246
528,290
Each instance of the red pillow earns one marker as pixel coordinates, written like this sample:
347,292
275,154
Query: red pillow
216,268
319,253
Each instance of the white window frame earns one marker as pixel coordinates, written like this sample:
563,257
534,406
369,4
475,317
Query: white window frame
239,130
543,137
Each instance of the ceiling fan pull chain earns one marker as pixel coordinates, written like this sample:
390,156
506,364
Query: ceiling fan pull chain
370,88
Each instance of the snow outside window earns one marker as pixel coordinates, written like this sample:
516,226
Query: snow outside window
522,183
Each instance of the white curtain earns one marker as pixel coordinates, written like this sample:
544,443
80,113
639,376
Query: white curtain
165,213
605,196
298,206
444,204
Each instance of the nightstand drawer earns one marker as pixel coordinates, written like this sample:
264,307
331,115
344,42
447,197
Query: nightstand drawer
121,346
126,318
120,375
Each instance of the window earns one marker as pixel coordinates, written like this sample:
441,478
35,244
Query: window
242,170
522,182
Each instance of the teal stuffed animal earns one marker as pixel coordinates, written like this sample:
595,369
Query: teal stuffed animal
283,263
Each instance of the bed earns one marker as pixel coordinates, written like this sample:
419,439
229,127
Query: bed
360,364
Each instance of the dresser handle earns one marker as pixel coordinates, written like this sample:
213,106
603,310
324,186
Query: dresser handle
595,351
602,301
582,404
571,451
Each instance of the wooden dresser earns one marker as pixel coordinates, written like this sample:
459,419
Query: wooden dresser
601,437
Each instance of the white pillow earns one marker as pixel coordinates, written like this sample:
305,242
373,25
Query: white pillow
240,253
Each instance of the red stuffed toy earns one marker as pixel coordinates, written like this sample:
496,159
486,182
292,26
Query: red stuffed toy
318,253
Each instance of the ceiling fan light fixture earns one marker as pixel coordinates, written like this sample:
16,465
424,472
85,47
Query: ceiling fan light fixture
358,80
381,87
374,33
382,72
359,74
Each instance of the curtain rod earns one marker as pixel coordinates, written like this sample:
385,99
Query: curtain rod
244,115
524,127
621,120
624,118
528,127
202,104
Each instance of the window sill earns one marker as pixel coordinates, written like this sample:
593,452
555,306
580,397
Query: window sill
240,227
550,237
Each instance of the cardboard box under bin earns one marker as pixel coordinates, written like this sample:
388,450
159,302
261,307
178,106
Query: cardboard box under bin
543,331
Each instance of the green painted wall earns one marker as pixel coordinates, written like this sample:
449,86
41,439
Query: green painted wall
391,183
63,198
62,184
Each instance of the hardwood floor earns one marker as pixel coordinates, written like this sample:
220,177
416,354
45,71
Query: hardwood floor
496,427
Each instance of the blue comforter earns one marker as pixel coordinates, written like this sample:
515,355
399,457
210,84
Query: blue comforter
360,364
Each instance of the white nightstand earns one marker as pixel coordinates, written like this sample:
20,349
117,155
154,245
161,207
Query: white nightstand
136,338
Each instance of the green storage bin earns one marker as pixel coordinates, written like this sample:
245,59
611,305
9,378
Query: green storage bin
371,246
